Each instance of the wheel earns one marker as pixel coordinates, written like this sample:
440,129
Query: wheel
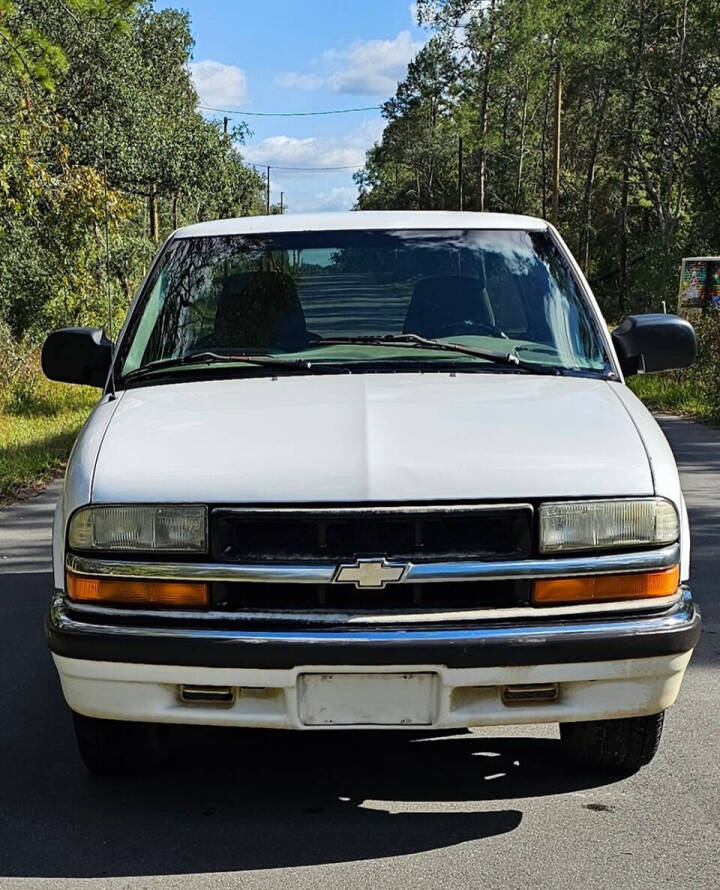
622,745
115,747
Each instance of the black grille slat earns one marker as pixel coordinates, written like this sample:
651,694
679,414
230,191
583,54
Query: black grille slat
284,536
254,597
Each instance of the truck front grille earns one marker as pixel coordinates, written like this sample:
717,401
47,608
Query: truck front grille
409,533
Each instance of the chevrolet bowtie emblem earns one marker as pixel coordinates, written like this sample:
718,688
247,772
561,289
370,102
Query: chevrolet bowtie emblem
370,573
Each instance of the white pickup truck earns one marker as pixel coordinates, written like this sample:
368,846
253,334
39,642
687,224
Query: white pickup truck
370,470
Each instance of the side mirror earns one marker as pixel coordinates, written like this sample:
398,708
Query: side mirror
77,355
646,343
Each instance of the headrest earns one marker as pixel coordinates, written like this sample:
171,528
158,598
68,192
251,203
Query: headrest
447,300
260,310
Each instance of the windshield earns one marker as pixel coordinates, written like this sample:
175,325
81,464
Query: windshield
330,298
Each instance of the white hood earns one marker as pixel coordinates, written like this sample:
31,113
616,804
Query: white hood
372,437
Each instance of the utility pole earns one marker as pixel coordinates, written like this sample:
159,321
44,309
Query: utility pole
282,194
153,208
556,153
460,173
267,196
225,125
107,231
484,103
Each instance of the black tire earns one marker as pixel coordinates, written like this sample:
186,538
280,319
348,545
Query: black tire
115,747
617,746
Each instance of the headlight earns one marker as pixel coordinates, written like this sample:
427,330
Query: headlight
605,525
158,528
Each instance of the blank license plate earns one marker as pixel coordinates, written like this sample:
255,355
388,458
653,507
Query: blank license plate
366,699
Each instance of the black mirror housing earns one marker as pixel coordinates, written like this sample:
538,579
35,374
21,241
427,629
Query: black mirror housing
77,355
654,342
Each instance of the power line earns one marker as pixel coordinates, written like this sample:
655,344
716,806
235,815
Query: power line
289,113
320,169
270,167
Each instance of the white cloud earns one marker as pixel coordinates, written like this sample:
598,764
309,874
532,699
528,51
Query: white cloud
312,151
372,66
342,197
218,85
366,67
308,191
292,80
315,151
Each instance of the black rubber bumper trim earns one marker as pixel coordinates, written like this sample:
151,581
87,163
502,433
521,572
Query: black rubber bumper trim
561,642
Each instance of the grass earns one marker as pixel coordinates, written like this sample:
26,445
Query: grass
675,394
39,421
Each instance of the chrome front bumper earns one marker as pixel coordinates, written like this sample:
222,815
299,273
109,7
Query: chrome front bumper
490,643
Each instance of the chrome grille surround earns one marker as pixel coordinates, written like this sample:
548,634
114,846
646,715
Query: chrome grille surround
420,573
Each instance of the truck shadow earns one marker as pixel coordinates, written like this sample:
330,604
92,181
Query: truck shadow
231,800
223,803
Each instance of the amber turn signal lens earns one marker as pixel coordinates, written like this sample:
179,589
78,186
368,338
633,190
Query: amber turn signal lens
118,591
603,588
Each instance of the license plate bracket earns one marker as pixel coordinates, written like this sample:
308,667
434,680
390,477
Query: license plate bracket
371,699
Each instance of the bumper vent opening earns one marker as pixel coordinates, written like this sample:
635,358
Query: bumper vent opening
207,695
530,693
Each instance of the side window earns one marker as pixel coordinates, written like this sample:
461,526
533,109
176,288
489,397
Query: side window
148,323
505,297
179,314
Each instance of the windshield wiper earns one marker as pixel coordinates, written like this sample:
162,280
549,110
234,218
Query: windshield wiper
208,358
497,358
274,361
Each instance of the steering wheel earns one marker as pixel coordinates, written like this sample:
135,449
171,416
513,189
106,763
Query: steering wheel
458,328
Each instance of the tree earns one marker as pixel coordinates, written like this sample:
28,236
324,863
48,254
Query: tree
641,129
419,145
98,127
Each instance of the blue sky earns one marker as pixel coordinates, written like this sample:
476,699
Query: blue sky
303,55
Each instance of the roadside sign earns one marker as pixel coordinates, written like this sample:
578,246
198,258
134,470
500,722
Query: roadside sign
699,285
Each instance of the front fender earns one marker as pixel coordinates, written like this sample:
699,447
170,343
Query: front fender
77,488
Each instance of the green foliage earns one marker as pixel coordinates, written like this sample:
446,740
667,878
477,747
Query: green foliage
97,109
640,139
30,56
414,165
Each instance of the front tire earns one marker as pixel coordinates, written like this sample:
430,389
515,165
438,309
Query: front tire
116,747
618,746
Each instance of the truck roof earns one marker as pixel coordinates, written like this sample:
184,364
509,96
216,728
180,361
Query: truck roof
362,219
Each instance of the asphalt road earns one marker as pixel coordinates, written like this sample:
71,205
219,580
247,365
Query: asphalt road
495,808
